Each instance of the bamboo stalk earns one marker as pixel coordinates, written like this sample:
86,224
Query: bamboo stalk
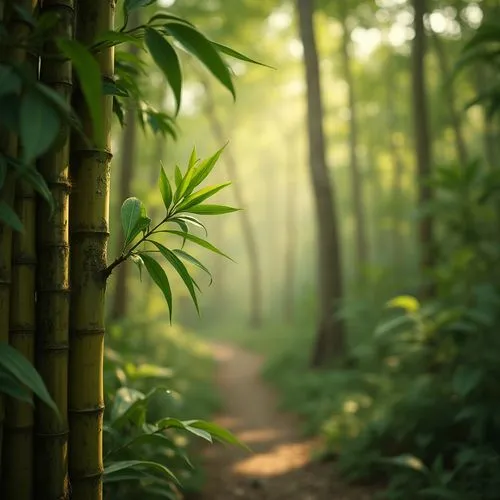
17,29
18,443
51,463
89,215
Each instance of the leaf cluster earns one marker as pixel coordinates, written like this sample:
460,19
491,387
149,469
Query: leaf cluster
145,440
42,118
182,203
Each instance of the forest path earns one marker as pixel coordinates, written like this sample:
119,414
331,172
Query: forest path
280,467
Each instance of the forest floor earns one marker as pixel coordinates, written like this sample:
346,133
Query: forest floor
280,465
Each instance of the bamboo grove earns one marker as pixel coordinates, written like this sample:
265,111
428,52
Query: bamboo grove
59,90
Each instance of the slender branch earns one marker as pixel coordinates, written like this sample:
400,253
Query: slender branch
125,255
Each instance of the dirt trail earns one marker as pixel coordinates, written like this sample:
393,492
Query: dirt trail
280,467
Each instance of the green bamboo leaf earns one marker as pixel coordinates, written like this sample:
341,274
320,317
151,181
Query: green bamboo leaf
196,43
159,277
31,175
180,223
201,195
192,260
115,467
89,76
112,38
165,189
206,166
10,386
219,433
163,16
166,59
191,220
193,159
13,362
61,106
10,83
134,219
212,209
123,400
177,264
237,55
127,475
118,111
178,176
199,241
130,5
9,217
39,125
168,423
184,185
36,180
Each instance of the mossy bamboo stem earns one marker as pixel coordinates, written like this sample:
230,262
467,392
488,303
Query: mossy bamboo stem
51,463
18,441
16,29
89,214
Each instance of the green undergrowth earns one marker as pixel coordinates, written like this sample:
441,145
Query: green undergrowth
160,395
416,406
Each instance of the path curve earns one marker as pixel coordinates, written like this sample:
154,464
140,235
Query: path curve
280,466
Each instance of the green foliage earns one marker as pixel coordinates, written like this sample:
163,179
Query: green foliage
140,234
416,406
37,113
146,439
19,379
482,49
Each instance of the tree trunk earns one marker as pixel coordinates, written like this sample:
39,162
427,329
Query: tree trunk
89,212
246,224
330,337
449,91
129,138
356,177
51,465
16,28
422,142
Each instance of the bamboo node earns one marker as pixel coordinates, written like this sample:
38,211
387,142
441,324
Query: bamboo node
97,410
88,331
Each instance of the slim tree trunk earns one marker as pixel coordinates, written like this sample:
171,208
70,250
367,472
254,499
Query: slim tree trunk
129,139
89,214
356,177
330,338
422,138
51,464
450,94
16,29
246,224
